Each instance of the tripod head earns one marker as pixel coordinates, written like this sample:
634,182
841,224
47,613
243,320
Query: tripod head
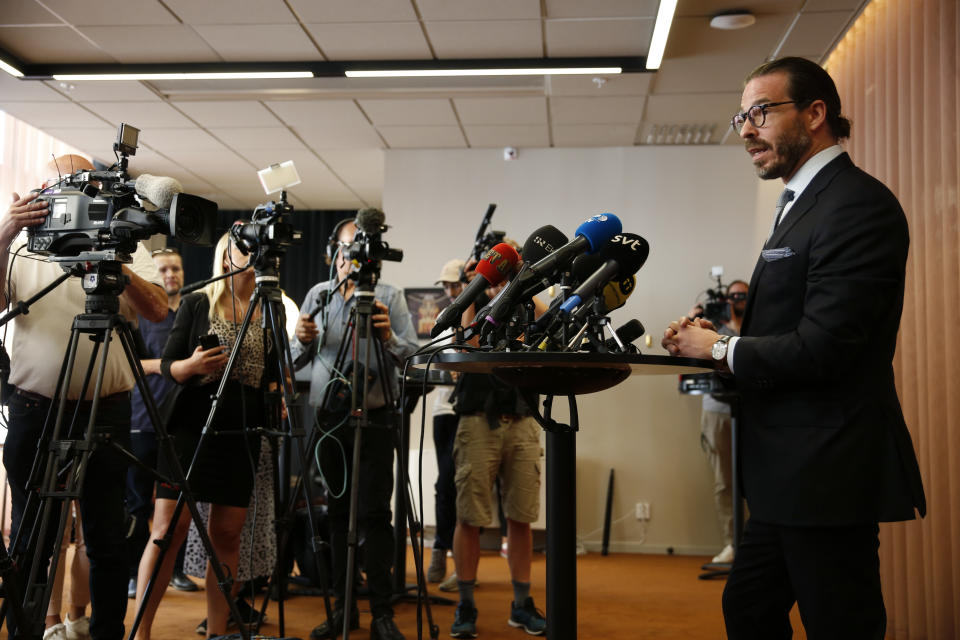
101,277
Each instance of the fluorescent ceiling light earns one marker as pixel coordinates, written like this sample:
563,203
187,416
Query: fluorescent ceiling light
185,76
420,73
10,69
660,32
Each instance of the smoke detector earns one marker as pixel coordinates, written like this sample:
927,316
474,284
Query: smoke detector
733,19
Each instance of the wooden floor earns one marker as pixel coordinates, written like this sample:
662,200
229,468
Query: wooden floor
631,596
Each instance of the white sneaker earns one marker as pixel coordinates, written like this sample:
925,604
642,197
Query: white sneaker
724,557
56,632
78,629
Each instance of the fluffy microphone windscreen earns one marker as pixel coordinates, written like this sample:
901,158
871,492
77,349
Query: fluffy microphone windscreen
159,190
370,220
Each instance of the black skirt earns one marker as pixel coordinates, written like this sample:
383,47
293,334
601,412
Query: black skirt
221,463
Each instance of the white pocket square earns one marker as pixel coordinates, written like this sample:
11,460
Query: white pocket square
772,255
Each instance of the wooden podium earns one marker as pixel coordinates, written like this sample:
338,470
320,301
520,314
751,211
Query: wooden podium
561,374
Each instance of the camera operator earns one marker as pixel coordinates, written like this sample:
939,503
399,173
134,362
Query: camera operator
317,344
715,425
39,342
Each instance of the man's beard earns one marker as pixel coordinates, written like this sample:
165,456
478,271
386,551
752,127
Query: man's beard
789,148
173,292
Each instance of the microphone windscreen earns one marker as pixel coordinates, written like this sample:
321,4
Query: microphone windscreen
584,266
370,220
599,229
616,292
498,263
158,190
542,243
629,250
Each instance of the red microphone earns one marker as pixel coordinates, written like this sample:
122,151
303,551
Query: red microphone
496,265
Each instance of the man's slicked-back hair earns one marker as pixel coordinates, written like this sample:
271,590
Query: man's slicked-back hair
807,81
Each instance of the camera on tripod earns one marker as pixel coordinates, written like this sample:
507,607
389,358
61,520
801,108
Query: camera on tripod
368,248
716,308
99,211
268,234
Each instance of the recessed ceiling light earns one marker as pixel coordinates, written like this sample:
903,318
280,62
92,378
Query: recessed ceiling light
423,73
254,75
9,68
729,20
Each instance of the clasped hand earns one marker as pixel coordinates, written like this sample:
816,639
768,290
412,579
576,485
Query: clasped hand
690,338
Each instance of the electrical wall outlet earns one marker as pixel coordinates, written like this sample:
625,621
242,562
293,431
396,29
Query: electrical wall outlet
643,511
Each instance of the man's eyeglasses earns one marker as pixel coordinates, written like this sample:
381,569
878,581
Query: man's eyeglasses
737,297
757,114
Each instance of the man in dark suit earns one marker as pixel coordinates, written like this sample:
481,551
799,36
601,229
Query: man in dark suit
825,452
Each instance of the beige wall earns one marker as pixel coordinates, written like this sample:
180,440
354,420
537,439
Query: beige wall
697,207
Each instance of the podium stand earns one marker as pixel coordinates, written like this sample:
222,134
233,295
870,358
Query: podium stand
566,374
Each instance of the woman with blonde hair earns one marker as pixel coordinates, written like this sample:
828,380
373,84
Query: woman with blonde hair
222,470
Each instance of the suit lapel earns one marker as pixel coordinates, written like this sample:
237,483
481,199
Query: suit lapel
800,208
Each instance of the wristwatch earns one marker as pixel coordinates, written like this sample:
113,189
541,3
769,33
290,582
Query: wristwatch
719,350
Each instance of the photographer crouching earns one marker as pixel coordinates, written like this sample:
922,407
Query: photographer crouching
319,337
36,353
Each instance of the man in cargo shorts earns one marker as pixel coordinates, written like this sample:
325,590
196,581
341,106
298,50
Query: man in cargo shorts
496,436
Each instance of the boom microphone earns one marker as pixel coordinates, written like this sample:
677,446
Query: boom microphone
625,254
370,220
591,235
496,265
158,190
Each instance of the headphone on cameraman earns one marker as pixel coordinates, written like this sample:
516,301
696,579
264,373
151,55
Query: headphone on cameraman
333,242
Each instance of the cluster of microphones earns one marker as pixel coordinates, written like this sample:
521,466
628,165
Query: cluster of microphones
594,273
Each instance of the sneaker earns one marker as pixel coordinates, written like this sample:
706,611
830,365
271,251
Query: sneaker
56,632
384,628
724,557
438,565
528,617
78,629
450,584
326,630
464,621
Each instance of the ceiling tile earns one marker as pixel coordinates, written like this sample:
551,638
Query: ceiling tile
53,114
372,197
232,11
105,91
167,141
281,42
371,40
14,90
334,135
701,59
178,43
409,112
614,37
602,8
814,33
310,112
422,137
472,10
360,168
701,107
59,44
626,84
486,111
593,135
596,110
246,138
304,159
142,115
832,5
709,8
21,12
225,113
516,135
97,142
216,165
488,39
353,10
113,12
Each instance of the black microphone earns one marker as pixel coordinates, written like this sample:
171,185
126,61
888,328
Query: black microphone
496,265
624,256
591,235
370,220
627,333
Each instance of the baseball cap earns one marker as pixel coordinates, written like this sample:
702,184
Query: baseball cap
451,271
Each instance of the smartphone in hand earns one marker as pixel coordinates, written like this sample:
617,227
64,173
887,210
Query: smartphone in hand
209,341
